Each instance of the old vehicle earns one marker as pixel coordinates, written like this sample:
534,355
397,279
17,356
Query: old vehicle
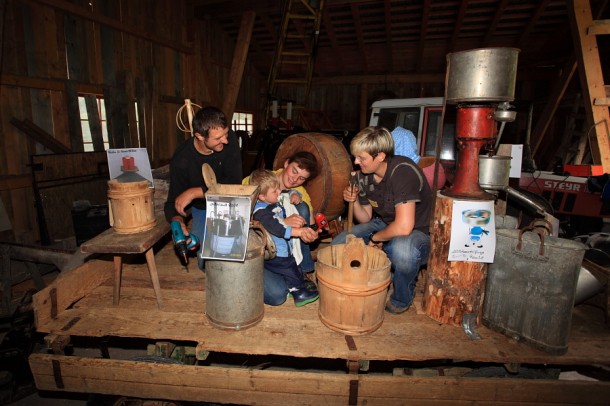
576,200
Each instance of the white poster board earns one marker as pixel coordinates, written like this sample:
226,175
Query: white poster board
227,226
130,165
473,231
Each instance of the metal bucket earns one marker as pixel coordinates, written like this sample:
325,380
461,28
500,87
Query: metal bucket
353,281
482,75
531,288
494,172
234,291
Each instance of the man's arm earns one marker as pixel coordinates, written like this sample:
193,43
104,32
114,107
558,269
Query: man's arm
401,226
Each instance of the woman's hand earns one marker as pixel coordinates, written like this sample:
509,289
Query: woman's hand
350,193
295,198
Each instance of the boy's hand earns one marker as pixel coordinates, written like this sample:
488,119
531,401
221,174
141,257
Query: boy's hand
294,220
306,234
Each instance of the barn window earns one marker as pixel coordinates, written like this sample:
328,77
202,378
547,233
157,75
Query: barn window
87,123
243,122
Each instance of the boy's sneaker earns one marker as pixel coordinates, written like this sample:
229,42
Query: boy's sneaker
303,296
310,285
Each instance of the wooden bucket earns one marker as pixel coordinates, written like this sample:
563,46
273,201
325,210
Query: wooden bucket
353,281
131,206
334,168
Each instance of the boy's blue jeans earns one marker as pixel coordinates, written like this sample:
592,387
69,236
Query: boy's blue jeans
406,253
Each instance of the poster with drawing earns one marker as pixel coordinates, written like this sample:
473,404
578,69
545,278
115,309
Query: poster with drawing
130,165
227,226
473,231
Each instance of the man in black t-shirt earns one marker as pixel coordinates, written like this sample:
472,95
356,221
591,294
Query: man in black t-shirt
212,143
392,204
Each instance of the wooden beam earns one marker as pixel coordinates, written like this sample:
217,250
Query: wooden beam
11,182
39,135
555,97
380,79
47,84
537,13
330,31
265,386
82,12
494,23
591,79
599,27
388,37
458,24
240,56
358,28
422,36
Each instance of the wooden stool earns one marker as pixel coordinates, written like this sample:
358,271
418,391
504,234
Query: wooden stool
111,242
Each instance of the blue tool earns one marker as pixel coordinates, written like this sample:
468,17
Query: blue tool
183,243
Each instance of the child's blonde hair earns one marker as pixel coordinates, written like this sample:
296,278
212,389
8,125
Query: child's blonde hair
265,179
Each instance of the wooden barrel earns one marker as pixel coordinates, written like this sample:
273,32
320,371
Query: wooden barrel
334,168
131,206
353,281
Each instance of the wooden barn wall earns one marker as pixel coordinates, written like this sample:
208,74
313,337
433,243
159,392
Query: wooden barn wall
149,51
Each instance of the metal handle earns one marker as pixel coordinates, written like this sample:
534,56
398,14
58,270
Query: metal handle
536,231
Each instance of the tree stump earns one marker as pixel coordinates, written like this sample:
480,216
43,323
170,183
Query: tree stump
452,288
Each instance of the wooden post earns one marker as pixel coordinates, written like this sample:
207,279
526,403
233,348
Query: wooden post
452,288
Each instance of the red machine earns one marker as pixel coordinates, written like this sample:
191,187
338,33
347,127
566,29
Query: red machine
569,195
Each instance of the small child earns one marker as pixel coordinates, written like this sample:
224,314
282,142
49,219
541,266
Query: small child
271,214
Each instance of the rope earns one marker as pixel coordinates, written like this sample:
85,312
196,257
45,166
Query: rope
189,112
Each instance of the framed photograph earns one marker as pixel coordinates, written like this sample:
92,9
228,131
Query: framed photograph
227,226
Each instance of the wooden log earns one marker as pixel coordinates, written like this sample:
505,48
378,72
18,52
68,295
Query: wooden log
452,289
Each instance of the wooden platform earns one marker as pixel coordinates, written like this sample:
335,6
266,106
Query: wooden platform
79,304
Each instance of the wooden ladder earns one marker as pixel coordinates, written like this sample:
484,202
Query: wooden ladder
595,93
293,63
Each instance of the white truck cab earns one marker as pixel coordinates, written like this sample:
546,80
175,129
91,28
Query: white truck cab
423,117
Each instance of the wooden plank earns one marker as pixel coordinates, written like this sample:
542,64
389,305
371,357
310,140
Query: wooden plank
239,61
47,83
112,242
10,182
591,79
69,287
599,27
73,113
265,387
411,336
39,135
557,92
95,126
83,13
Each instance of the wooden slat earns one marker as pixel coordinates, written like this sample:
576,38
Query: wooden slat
109,22
591,79
287,330
69,287
15,182
599,27
39,135
265,387
239,61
